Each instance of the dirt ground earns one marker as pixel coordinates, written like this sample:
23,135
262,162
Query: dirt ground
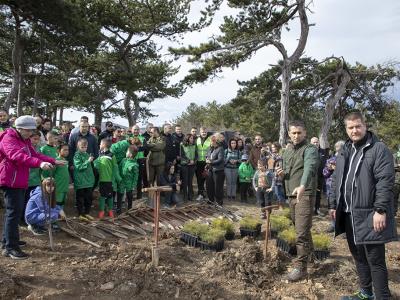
123,270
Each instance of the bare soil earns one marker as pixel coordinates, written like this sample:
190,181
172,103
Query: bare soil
123,270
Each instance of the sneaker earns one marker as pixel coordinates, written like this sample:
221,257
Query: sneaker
83,218
101,214
111,214
296,274
15,254
360,295
20,244
199,198
36,230
89,217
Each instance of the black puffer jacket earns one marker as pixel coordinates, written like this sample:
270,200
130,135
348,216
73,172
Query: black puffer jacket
372,188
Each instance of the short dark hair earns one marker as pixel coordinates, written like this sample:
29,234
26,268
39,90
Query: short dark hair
61,146
156,129
46,120
297,123
35,133
194,127
85,118
83,140
106,141
355,115
178,125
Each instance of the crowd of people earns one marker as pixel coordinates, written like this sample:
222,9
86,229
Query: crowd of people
39,161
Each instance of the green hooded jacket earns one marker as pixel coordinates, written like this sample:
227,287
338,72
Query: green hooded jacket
129,170
83,172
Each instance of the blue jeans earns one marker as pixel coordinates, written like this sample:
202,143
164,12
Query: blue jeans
14,200
278,190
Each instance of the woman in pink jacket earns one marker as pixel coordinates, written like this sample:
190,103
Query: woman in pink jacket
16,157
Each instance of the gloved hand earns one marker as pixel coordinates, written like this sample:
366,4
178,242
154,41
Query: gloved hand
62,214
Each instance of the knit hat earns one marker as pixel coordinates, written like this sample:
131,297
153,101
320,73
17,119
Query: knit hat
245,157
25,122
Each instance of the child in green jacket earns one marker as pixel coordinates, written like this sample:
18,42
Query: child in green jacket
129,170
107,166
34,174
83,179
246,173
61,175
50,149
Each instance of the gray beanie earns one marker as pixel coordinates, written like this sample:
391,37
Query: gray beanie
25,122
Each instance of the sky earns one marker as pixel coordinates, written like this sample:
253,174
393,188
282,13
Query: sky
365,31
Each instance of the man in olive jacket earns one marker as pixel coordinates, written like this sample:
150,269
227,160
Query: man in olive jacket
156,157
300,165
362,203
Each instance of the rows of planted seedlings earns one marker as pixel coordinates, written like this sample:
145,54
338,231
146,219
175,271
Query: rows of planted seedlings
208,237
283,230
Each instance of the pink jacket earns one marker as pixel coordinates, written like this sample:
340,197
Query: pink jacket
16,157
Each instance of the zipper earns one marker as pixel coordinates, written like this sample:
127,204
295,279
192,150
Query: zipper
14,178
347,178
352,189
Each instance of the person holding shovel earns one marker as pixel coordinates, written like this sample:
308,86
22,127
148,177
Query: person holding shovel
38,212
16,157
300,166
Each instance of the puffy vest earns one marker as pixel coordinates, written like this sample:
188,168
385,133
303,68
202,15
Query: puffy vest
202,149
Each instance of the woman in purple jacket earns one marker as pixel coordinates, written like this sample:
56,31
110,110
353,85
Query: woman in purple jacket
16,157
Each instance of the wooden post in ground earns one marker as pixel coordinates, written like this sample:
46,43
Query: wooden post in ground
268,210
156,193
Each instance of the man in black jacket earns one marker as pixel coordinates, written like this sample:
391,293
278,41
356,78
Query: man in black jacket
362,203
170,147
108,133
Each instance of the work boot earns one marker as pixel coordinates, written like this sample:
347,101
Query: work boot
296,274
101,214
359,295
111,214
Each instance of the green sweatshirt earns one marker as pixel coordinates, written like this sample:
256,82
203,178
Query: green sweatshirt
83,172
107,165
61,176
119,149
34,174
300,166
50,151
246,172
129,170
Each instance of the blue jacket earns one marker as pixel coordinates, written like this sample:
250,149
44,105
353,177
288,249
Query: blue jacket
37,209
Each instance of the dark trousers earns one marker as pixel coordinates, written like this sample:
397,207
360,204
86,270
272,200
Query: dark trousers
264,198
215,186
370,264
27,196
142,178
84,200
244,188
14,202
187,181
301,214
129,198
318,194
200,165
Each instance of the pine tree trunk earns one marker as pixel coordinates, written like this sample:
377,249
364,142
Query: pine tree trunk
285,90
17,53
128,111
19,98
61,119
98,115
35,97
337,94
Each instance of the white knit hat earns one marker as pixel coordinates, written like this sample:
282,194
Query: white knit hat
25,122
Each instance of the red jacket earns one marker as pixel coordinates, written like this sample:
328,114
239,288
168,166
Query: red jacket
16,157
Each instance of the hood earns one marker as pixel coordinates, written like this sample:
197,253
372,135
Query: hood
371,139
12,132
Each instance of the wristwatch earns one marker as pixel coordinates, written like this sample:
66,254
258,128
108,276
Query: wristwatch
380,211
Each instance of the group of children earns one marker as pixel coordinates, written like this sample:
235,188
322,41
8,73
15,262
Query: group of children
53,185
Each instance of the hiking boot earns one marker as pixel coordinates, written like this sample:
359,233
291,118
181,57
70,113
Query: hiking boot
101,214
296,274
16,254
36,230
89,217
111,214
359,295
